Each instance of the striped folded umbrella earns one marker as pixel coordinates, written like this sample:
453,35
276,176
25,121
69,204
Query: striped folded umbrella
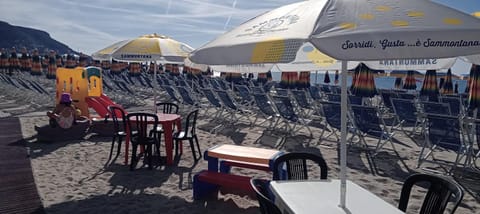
262,78
303,80
467,89
410,82
448,84
364,84
289,80
398,83
326,79
474,93
430,87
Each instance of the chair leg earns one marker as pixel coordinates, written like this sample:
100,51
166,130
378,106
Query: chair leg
176,148
192,147
198,147
134,157
119,147
111,149
149,154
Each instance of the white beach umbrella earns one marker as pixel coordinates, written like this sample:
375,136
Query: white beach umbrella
151,47
146,48
347,30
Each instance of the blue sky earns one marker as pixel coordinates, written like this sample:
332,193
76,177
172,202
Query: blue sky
90,25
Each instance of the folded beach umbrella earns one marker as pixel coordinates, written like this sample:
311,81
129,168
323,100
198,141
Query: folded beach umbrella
262,78
303,80
469,80
455,90
430,86
410,81
326,79
474,85
364,85
398,83
448,84
289,79
347,30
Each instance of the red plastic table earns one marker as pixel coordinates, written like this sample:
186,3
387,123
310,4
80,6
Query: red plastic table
167,121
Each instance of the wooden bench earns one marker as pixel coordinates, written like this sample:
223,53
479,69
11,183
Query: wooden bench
207,183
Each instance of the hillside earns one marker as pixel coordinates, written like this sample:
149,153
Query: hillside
30,38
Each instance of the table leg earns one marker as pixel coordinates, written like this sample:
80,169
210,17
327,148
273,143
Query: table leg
127,143
168,142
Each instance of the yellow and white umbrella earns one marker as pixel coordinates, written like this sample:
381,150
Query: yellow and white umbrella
347,30
151,47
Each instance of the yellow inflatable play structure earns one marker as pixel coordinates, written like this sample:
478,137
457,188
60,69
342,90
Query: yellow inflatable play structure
82,83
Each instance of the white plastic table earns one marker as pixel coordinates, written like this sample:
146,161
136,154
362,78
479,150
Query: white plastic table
323,197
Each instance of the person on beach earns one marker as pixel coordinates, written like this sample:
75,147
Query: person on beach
65,114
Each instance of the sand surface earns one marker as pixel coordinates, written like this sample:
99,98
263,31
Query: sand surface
72,177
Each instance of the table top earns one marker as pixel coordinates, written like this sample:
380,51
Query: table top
315,196
243,153
167,117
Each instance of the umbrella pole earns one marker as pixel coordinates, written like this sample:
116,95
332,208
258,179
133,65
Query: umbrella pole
156,87
316,75
343,139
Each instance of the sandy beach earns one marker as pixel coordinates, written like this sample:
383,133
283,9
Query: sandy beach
72,177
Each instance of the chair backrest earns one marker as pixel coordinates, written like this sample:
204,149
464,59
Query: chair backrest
404,109
406,96
293,166
261,191
285,108
332,112
355,100
116,112
444,131
171,92
191,122
301,99
315,93
333,97
139,123
167,108
366,119
440,191
244,93
281,92
455,104
186,95
226,99
436,108
211,97
386,95
264,104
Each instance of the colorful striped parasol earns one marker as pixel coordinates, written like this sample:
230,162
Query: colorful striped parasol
262,78
410,82
430,87
364,84
327,78
448,84
474,84
303,80
289,80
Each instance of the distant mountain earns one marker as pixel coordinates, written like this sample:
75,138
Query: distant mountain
16,36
